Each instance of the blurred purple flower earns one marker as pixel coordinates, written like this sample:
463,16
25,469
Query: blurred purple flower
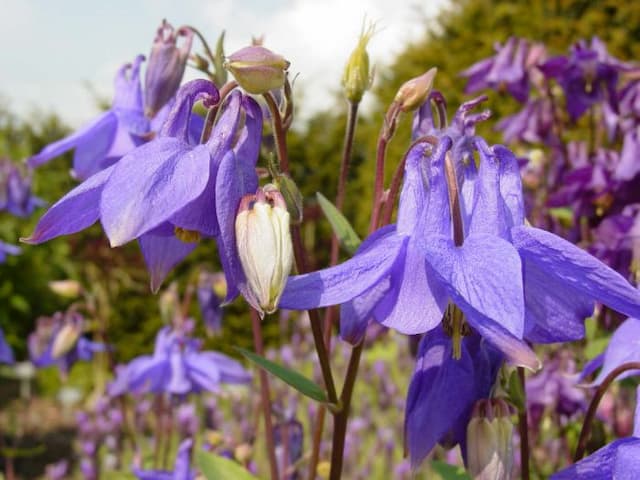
57,471
211,293
288,437
177,366
187,420
443,391
6,354
58,340
181,467
588,76
8,249
620,459
15,190
533,123
554,387
507,69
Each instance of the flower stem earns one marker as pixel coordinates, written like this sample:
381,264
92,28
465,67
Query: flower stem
278,132
523,427
593,406
265,396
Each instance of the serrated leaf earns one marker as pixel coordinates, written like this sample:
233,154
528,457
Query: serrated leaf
449,472
347,236
214,467
297,381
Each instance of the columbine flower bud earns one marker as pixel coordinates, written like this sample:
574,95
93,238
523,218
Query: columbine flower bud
66,339
264,246
356,78
257,69
65,288
489,441
412,94
166,67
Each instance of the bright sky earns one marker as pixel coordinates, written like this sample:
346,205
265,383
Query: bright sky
52,50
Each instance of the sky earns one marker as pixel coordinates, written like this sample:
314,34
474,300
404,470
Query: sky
58,55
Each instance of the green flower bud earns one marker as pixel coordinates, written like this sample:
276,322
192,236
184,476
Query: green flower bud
264,246
357,78
414,92
489,441
257,69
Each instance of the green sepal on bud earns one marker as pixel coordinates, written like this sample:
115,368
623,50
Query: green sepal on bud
489,441
413,93
357,77
292,196
257,70
264,246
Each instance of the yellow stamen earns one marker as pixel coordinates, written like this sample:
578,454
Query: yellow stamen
187,236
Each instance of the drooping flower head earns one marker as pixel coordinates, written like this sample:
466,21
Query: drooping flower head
15,190
171,192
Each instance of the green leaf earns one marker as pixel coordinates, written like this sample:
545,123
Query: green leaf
516,393
449,472
297,381
214,467
347,236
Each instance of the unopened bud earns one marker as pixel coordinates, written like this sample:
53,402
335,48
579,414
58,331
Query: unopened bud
489,441
292,196
166,67
257,69
413,93
65,288
357,77
66,339
264,246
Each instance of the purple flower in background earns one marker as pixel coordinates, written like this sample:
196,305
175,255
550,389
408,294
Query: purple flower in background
507,69
58,340
15,190
6,354
534,123
57,471
288,436
620,459
443,391
169,192
212,290
623,347
181,467
8,249
177,366
554,387
587,76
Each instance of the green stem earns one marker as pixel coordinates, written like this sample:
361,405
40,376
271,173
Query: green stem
265,397
279,134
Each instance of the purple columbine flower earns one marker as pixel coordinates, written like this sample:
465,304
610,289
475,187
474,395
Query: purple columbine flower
169,192
623,347
507,69
443,391
212,290
181,467
15,190
620,459
177,366
6,354
58,341
8,249
587,76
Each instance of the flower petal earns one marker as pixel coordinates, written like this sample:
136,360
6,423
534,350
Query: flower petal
623,347
161,253
597,466
151,184
77,210
343,282
583,273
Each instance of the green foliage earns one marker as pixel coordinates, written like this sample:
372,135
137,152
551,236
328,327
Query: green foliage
347,237
214,467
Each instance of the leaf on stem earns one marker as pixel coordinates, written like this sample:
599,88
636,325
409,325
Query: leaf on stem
214,467
347,236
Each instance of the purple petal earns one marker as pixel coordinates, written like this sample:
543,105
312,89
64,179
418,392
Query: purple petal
203,371
343,282
248,146
97,135
623,347
231,371
627,462
591,366
597,466
355,314
150,185
510,185
485,273
580,271
161,253
77,210
413,196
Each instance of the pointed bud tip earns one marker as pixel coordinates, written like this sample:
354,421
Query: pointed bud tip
413,93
